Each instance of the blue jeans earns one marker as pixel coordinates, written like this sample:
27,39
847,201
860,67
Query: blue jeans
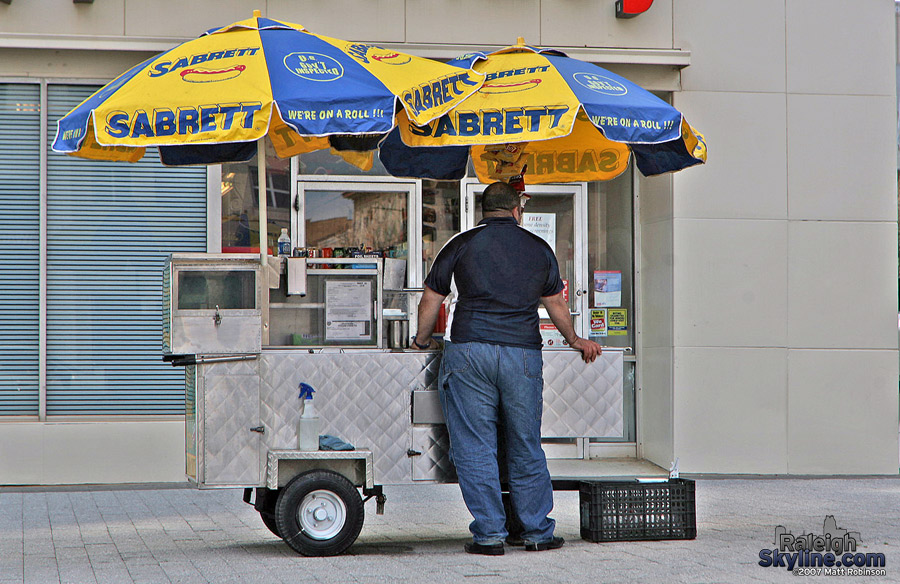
481,385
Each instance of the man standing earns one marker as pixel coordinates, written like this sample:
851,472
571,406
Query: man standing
492,368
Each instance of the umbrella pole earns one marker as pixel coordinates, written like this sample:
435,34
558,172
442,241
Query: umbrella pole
263,200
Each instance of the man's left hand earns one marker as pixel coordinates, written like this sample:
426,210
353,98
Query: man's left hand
588,348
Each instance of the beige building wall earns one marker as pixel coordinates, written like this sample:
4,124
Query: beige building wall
768,291
785,244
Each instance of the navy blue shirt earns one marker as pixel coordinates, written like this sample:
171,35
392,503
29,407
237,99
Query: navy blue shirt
501,271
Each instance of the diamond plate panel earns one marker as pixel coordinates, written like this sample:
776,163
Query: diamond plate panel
276,456
580,400
361,397
583,399
365,399
231,408
434,461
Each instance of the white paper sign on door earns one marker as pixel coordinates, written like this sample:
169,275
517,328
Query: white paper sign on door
543,225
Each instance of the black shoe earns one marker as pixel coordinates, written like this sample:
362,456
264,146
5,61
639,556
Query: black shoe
515,541
553,544
492,549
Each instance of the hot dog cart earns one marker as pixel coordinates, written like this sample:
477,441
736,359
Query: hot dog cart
247,334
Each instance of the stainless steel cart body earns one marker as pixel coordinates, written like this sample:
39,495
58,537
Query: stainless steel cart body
384,402
242,401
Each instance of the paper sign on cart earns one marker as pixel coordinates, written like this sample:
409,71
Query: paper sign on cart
348,311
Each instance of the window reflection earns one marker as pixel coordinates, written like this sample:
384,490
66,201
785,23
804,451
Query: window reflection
342,219
440,217
225,290
611,260
240,203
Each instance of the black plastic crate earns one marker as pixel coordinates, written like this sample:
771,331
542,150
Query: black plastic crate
633,511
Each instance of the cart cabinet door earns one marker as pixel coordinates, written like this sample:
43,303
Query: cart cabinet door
430,454
231,437
216,309
583,400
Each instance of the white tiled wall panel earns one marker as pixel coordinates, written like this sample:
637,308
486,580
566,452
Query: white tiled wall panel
735,46
730,283
841,157
840,46
746,173
498,22
842,285
577,23
842,412
730,412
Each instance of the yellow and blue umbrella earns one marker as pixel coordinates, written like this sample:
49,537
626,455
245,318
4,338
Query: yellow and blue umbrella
209,100
216,98
565,119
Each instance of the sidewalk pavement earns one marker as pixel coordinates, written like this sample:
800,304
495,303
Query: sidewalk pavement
151,535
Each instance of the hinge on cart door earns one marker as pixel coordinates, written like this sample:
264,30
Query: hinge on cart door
259,429
410,453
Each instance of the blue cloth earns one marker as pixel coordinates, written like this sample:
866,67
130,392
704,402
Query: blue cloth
481,384
329,442
501,271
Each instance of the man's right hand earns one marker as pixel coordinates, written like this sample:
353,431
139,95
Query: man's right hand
588,348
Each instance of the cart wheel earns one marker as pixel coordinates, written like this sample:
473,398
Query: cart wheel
319,513
269,520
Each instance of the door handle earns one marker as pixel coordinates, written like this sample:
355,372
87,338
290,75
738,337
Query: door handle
258,429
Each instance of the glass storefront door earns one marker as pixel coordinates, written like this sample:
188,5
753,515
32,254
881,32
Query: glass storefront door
557,214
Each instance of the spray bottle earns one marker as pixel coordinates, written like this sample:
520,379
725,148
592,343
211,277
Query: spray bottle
308,424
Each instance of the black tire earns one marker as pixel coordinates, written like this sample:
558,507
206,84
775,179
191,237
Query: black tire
319,513
269,520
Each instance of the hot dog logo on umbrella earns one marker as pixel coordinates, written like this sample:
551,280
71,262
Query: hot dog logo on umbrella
511,81
391,57
208,75
509,87
364,53
314,66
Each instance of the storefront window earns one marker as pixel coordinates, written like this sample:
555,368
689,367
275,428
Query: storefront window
610,262
357,219
440,217
240,203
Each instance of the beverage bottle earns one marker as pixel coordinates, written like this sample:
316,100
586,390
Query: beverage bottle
308,424
284,243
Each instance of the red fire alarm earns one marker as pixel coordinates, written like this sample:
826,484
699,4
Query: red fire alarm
631,8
